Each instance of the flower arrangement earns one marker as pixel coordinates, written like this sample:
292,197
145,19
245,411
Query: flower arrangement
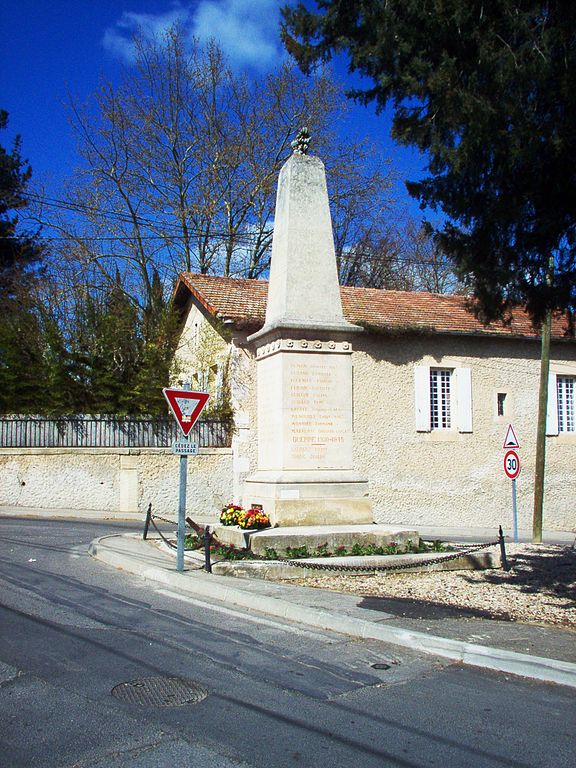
233,514
230,513
253,518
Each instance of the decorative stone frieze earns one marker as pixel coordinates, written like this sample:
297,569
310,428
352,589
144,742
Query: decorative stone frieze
303,346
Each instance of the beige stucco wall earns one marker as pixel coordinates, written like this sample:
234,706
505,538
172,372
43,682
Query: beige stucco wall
243,395
201,345
452,478
436,478
113,481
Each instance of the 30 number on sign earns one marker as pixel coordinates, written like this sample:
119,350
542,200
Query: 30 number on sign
512,465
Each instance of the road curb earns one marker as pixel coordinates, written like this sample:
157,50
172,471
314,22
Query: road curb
200,584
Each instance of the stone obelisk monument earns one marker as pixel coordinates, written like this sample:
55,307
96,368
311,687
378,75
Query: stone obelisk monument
305,472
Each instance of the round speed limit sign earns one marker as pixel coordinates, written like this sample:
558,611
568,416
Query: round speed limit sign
512,464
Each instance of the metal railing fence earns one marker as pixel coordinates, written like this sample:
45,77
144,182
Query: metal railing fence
107,432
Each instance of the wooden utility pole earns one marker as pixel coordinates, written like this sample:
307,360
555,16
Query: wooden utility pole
540,468
541,431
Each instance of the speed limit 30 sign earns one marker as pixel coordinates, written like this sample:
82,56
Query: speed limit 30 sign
512,465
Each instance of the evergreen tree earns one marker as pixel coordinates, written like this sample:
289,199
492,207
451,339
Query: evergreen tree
113,351
19,252
487,90
116,358
22,364
65,371
160,333
102,354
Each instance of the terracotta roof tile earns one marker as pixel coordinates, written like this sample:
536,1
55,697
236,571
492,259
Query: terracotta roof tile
244,302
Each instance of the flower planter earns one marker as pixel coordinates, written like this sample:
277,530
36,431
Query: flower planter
233,535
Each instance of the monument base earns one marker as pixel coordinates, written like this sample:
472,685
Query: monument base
309,498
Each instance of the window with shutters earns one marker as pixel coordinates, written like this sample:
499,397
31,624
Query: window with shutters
443,399
440,398
565,403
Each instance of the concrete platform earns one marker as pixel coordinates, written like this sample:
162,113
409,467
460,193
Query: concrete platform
313,536
426,562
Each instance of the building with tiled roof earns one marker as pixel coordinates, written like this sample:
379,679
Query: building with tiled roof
434,393
243,303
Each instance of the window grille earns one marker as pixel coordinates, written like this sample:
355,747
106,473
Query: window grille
566,410
440,399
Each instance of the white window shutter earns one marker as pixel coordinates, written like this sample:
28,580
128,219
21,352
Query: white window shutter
422,392
552,407
464,399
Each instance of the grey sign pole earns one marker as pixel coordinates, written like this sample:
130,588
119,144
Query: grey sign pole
184,448
514,511
181,513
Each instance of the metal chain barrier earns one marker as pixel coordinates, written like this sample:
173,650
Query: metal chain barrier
150,518
471,549
394,567
159,532
164,520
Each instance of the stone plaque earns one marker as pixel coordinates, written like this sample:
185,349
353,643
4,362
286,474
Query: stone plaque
305,411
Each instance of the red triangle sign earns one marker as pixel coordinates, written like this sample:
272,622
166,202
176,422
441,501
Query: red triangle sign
186,406
511,441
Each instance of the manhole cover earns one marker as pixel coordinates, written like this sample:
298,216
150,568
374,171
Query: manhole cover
160,692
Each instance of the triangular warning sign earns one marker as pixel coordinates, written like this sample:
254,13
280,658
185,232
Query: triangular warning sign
510,440
186,406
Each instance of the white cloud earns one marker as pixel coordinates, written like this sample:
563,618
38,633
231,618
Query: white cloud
246,30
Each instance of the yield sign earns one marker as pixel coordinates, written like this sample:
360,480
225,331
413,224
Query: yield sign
186,406
510,441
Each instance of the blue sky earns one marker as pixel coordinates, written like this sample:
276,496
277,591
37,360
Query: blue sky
53,49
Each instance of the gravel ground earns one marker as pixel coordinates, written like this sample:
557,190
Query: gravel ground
540,588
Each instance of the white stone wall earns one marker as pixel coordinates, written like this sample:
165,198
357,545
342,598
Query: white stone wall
114,481
75,478
209,482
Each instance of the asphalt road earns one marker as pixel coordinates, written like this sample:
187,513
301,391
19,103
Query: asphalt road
270,694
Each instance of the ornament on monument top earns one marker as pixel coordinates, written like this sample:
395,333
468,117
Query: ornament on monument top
301,142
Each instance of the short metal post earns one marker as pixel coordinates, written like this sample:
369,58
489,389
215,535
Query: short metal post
181,514
147,523
207,540
503,560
